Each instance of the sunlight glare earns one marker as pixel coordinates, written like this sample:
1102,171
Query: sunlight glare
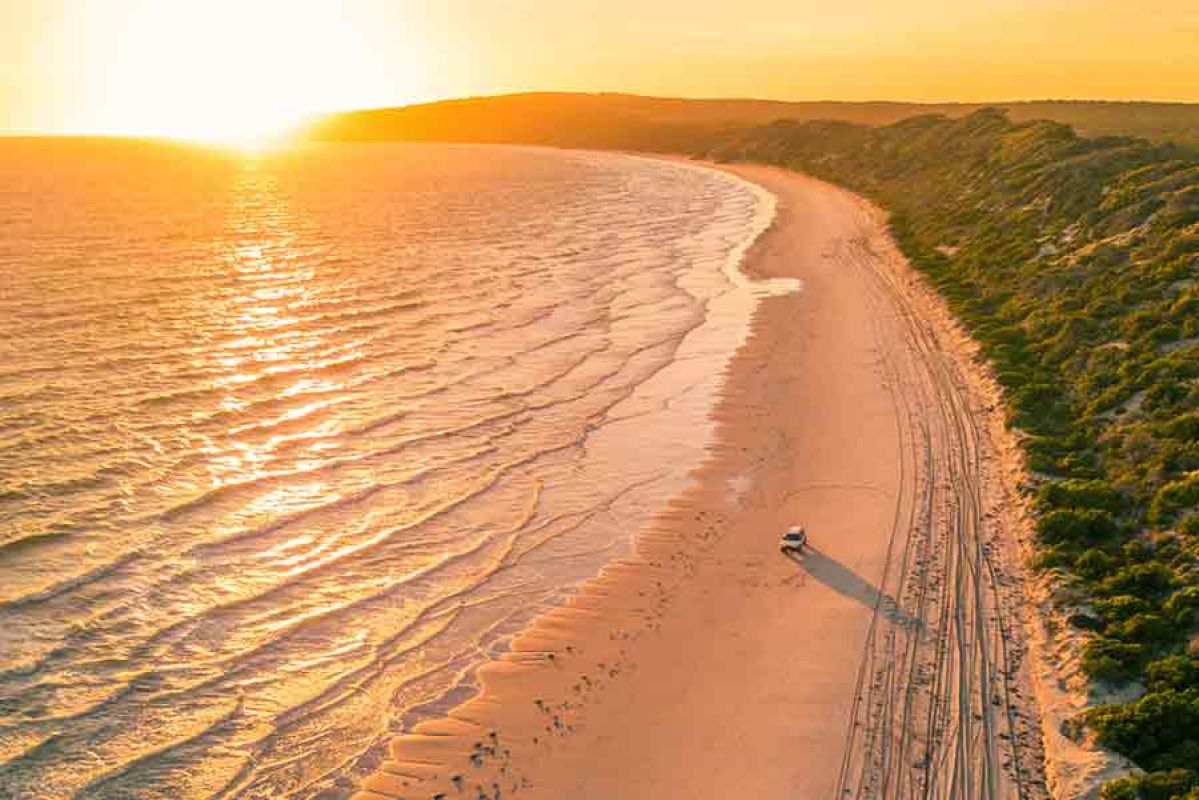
240,72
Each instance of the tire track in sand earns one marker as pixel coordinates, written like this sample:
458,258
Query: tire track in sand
938,713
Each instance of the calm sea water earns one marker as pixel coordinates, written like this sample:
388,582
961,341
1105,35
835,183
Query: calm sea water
289,444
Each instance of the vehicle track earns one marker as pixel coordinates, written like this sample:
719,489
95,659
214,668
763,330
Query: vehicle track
938,712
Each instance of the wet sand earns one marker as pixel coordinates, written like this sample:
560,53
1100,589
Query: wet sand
886,662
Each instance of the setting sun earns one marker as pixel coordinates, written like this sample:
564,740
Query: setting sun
230,71
238,69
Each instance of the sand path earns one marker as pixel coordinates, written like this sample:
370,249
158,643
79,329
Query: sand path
885,663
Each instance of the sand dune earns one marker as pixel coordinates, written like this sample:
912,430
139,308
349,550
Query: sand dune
887,662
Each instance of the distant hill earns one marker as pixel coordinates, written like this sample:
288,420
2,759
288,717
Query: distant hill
633,122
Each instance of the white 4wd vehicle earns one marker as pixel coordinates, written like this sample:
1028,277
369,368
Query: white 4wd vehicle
794,540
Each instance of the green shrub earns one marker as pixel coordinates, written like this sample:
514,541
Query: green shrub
1137,551
1176,672
1038,403
1164,396
1052,558
1122,789
1108,660
1180,457
1076,526
1175,497
1184,427
1158,731
1145,580
1121,607
1147,629
1080,494
1093,564
1183,606
1166,785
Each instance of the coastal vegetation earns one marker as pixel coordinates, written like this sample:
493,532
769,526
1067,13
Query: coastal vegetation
1074,262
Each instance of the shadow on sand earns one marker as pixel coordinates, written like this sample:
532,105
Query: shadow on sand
848,583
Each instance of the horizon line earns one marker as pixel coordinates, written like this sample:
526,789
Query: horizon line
313,116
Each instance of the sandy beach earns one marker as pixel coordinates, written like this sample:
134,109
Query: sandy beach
887,662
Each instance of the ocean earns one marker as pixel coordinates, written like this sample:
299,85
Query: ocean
291,443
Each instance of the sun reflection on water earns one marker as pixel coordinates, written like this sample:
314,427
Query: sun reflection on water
270,279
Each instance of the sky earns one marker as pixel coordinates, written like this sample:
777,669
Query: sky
229,68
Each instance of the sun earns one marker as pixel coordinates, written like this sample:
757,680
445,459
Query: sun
232,71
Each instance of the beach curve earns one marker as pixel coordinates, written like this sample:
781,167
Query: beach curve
887,662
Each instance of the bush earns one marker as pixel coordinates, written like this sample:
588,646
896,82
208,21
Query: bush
1038,403
1184,428
1164,396
1148,629
1168,785
1182,606
1175,497
1080,494
1122,789
1121,607
1137,551
1189,526
1145,580
1157,731
1176,672
1105,659
1080,526
1093,564
1052,558
1154,786
1180,458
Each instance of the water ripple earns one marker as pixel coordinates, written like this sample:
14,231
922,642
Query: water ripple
271,428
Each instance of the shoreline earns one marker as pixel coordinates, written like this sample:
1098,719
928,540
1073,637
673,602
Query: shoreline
706,664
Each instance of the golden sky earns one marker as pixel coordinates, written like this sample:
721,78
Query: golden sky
224,68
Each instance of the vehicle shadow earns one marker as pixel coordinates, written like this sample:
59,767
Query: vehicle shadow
848,583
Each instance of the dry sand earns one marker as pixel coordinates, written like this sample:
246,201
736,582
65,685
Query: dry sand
887,662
